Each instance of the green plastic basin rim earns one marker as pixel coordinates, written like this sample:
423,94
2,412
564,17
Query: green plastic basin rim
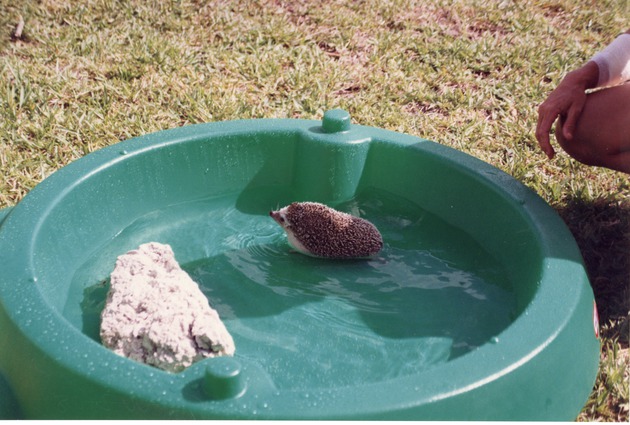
4,212
557,317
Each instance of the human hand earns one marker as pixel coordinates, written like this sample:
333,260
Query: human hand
566,102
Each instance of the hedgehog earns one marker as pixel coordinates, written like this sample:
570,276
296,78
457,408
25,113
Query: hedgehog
317,230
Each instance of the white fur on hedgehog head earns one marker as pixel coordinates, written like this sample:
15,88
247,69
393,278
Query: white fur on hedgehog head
318,230
281,217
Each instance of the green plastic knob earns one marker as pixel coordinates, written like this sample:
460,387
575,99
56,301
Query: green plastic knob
223,379
336,121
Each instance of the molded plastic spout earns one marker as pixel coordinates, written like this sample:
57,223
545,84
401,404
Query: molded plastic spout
330,159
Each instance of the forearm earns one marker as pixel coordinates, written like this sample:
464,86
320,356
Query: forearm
584,78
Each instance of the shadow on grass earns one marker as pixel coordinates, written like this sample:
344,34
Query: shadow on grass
601,228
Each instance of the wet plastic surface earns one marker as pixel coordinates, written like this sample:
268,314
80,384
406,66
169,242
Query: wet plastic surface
478,308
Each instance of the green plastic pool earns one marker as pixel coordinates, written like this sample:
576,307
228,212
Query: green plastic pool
477,308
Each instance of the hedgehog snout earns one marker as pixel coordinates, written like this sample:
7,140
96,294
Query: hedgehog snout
278,217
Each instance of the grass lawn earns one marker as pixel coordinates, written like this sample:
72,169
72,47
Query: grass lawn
469,74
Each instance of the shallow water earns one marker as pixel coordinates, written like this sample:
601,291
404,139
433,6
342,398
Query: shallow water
431,295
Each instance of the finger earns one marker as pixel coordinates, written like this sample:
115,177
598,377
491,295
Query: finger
568,128
545,145
543,127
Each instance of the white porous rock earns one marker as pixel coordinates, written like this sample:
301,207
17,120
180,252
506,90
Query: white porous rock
156,314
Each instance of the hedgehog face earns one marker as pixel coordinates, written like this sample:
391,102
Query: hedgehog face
280,217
